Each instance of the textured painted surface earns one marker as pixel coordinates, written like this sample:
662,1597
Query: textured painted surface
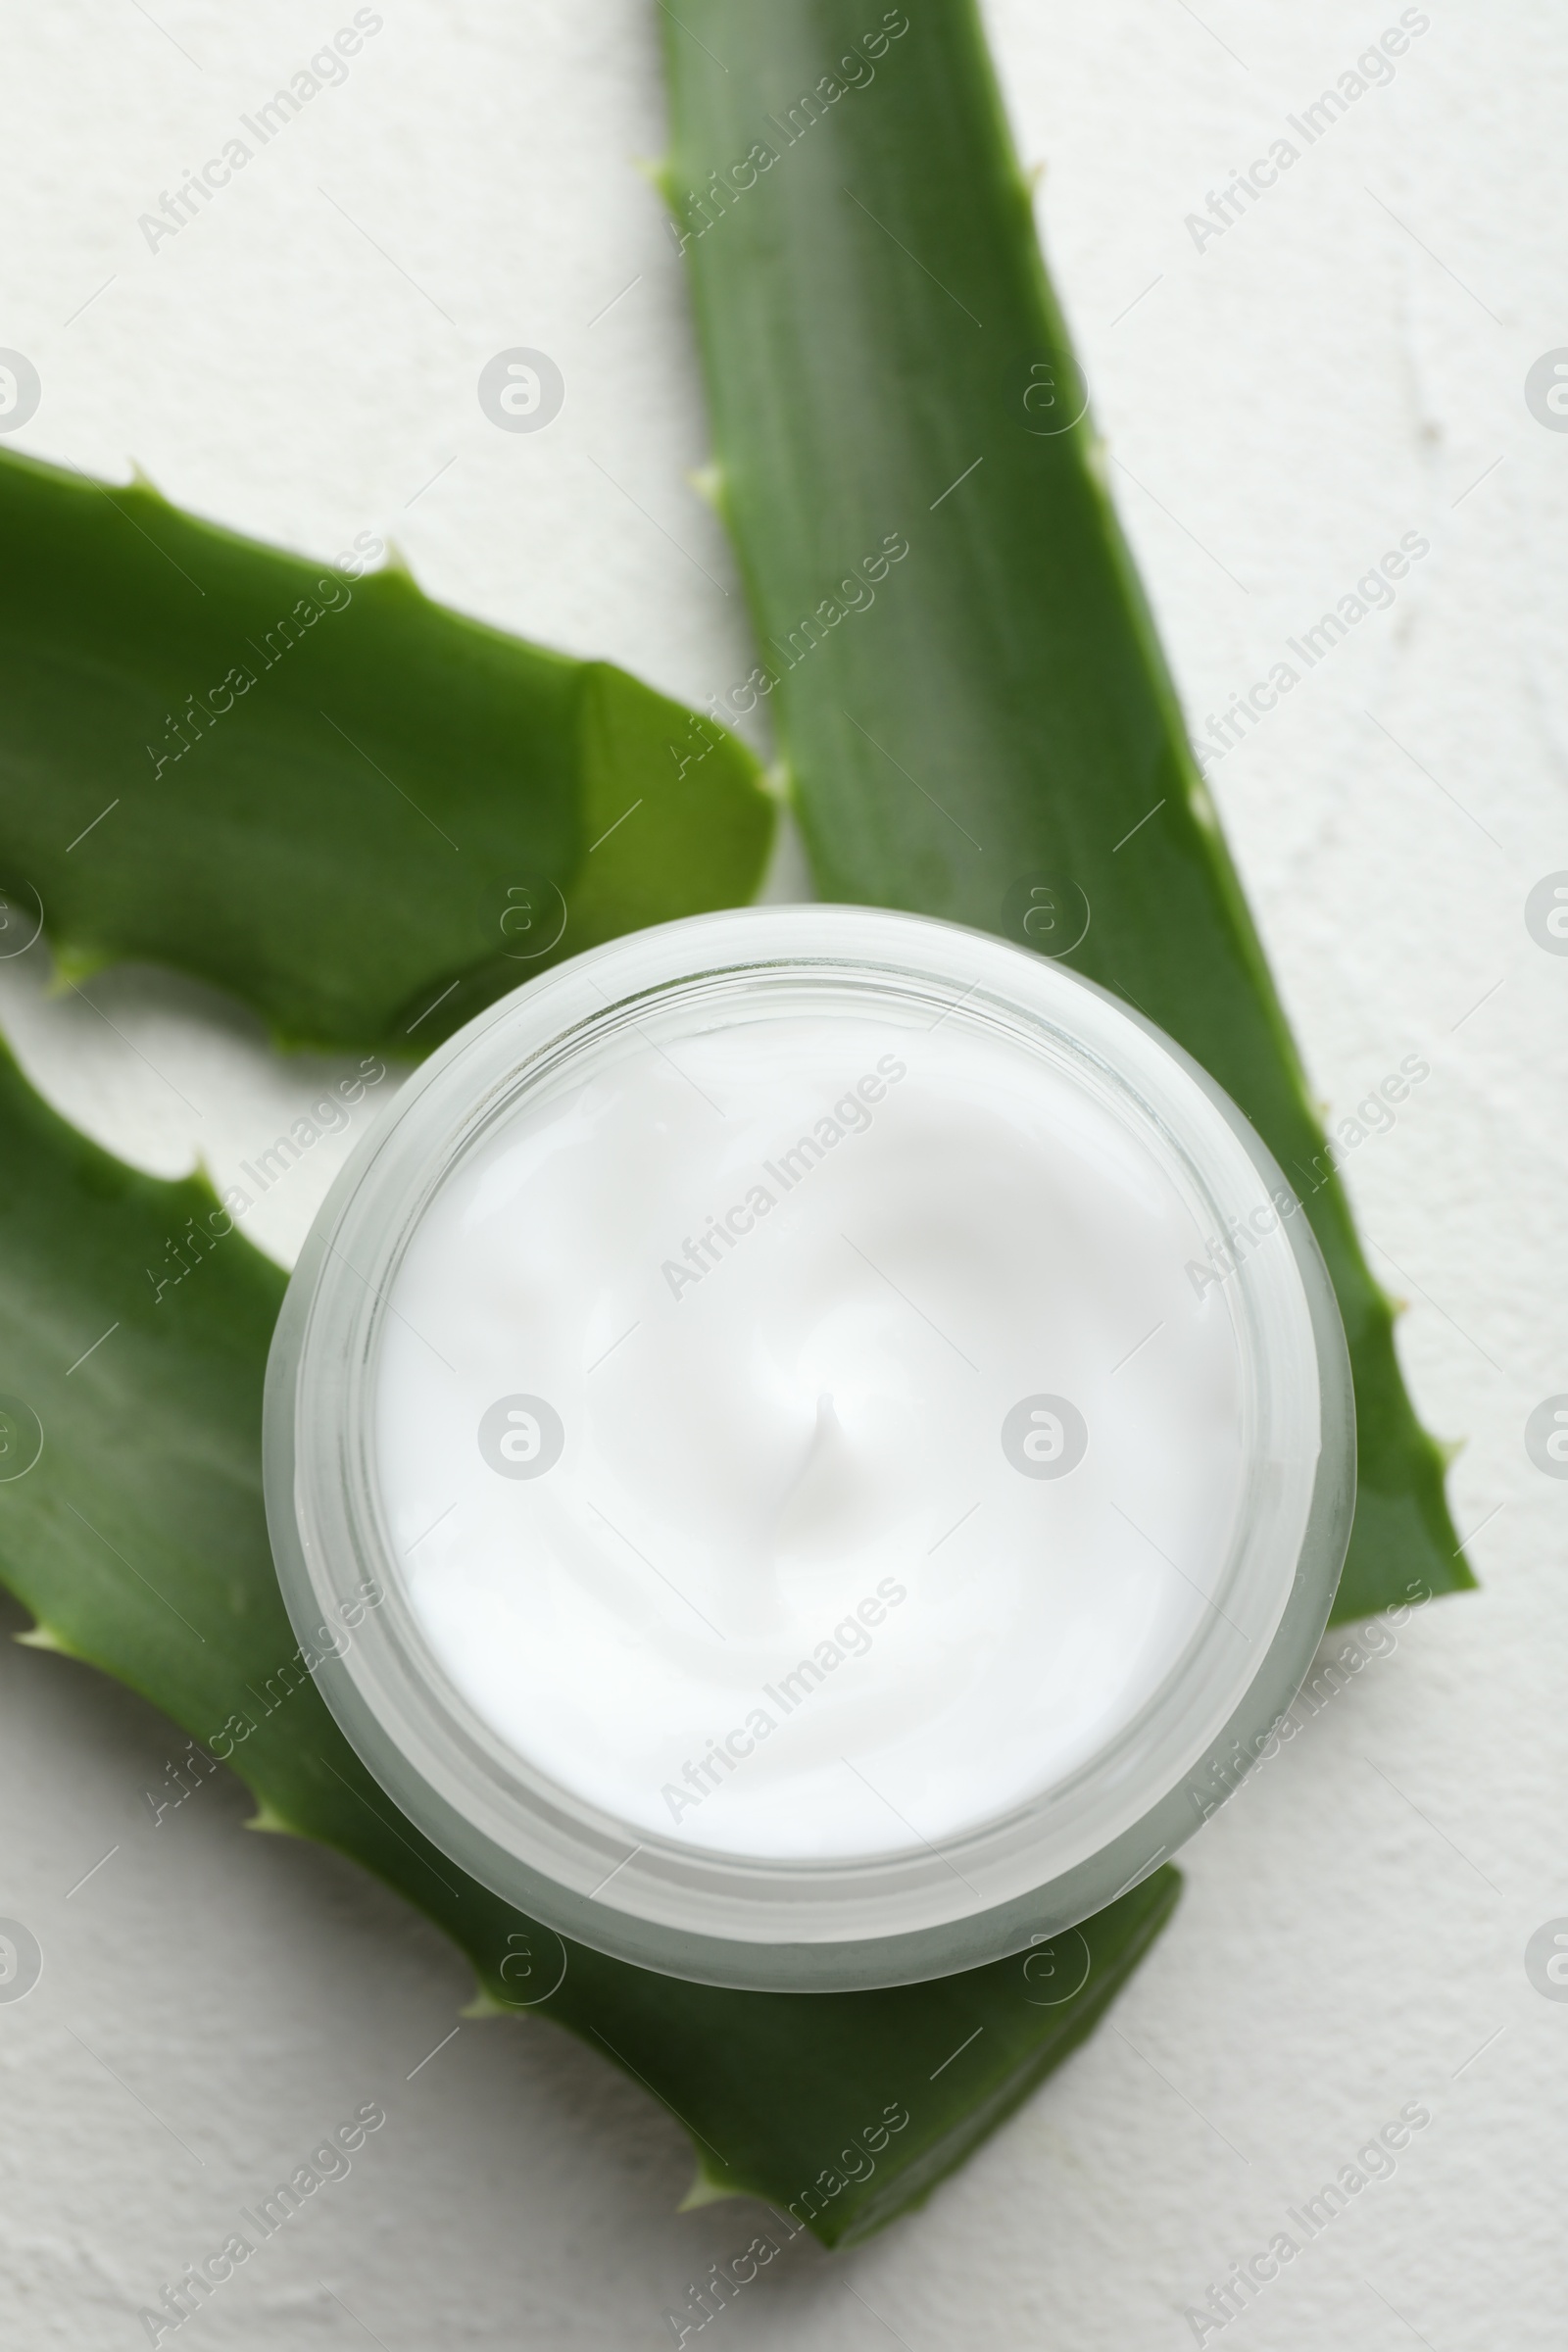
1281,407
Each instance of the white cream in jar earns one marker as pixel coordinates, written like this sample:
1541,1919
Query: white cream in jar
774,1291
846,1431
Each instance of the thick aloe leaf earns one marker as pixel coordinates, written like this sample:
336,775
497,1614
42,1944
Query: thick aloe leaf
975,714
137,1535
361,813
132,1526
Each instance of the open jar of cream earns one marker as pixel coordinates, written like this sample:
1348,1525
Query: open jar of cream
847,1433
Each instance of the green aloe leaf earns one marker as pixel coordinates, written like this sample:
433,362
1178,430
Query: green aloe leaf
961,670
362,813
132,1526
966,681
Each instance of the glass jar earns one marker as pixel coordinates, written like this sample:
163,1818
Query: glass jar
885,1432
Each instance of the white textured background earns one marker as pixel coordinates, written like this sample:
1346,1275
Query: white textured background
1344,364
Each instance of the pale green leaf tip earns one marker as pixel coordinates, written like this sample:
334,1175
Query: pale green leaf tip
73,966
709,482
44,1637
1449,1449
141,479
396,567
267,1817
705,2190
485,2004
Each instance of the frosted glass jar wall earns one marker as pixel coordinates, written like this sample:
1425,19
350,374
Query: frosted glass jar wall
829,1486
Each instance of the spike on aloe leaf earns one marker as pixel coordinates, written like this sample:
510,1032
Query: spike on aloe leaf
706,2188
268,1818
709,483
397,566
44,1637
655,169
71,964
485,2004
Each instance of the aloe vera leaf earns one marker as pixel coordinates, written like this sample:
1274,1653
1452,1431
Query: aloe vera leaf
361,813
886,362
137,1540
